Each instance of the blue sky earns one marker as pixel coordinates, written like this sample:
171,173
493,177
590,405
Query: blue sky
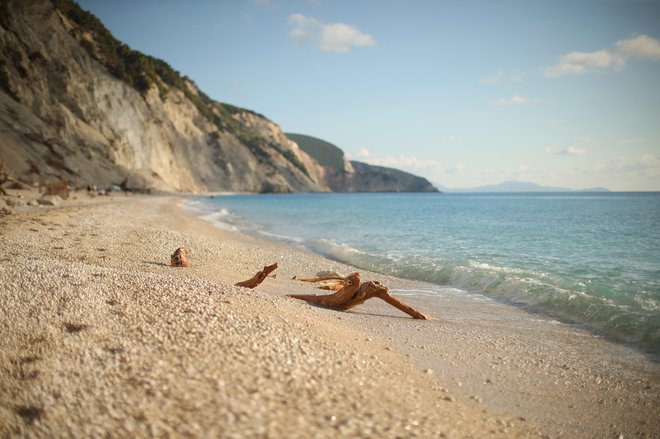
465,93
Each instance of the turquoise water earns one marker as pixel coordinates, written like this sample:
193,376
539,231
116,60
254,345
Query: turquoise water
591,258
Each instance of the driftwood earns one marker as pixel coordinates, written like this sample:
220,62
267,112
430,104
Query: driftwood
352,293
336,284
180,258
258,278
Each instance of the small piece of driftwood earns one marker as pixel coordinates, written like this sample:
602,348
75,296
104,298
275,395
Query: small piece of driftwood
258,278
352,294
180,258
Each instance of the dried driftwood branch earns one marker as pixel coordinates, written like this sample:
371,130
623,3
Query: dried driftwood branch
353,294
338,282
258,278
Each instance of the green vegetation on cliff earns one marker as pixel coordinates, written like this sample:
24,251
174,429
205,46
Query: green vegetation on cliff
142,71
126,64
323,152
137,69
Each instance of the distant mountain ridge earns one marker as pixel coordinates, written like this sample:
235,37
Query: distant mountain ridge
342,175
519,186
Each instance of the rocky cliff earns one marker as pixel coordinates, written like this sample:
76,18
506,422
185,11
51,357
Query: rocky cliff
77,104
370,178
342,175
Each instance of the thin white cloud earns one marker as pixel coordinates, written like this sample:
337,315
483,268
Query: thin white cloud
429,168
640,172
614,58
501,78
647,165
584,139
456,169
630,140
572,150
403,161
334,37
362,153
643,47
452,139
514,100
270,3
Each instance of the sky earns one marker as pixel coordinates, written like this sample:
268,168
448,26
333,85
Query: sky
465,93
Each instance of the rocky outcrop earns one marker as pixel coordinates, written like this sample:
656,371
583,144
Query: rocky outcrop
370,178
79,105
341,175
325,153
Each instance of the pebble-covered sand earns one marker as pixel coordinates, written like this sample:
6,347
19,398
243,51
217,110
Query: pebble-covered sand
101,337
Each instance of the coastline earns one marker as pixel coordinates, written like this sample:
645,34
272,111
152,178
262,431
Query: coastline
104,336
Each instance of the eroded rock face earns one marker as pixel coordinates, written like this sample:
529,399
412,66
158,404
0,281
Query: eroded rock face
64,115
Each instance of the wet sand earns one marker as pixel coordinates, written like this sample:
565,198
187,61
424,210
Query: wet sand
102,337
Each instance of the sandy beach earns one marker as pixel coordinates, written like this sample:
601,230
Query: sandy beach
101,337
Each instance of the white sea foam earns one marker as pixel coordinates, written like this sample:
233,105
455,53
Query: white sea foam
193,205
217,219
571,257
280,237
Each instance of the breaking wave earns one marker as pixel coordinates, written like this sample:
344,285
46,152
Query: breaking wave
586,258
633,320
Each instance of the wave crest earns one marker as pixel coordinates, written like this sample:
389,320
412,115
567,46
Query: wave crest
633,320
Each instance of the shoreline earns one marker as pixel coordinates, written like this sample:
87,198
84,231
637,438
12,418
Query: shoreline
228,221
479,369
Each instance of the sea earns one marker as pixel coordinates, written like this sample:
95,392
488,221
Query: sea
591,259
